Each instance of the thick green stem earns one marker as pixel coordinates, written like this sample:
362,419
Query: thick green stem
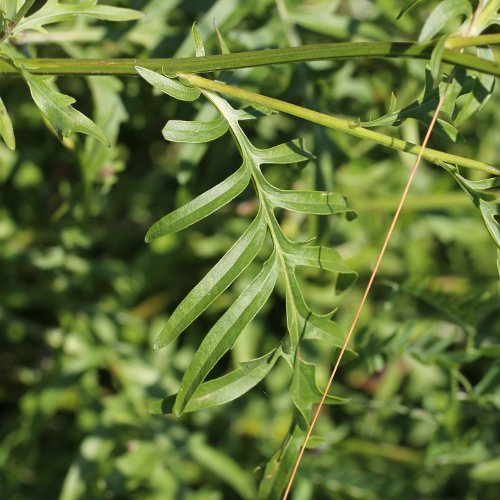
331,51
351,128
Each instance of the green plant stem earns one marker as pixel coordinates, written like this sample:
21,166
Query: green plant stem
460,42
17,18
331,51
348,127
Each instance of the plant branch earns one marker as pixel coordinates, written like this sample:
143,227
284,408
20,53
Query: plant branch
348,127
17,18
459,42
330,51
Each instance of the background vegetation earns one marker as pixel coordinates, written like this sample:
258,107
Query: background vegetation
82,297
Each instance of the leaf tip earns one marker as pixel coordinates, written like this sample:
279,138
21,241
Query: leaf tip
150,235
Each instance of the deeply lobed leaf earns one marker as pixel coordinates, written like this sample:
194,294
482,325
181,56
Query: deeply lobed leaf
302,323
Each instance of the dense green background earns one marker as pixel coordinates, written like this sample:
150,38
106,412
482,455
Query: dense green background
82,297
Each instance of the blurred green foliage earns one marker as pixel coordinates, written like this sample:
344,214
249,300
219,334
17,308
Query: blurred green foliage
82,298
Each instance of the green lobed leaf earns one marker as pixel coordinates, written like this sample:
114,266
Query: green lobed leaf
173,88
223,389
226,331
56,107
53,11
6,129
302,323
195,132
215,282
441,15
201,206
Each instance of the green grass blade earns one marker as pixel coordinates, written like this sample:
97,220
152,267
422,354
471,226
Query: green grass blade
225,332
201,206
215,282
